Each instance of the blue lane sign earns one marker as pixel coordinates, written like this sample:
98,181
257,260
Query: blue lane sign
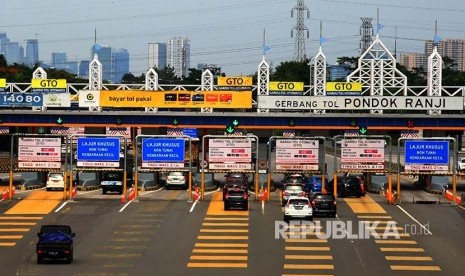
426,152
191,132
98,149
162,150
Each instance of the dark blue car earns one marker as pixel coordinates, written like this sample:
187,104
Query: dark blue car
313,184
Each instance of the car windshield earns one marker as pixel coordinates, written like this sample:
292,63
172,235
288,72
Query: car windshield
113,176
298,201
55,175
176,174
294,188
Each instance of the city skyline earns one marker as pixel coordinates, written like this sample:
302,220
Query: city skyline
230,35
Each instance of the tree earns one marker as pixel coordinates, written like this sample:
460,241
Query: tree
298,71
129,78
3,62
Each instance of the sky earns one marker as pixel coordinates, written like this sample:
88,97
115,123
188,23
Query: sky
229,34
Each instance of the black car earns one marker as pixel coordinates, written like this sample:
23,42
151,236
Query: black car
236,198
324,204
348,186
55,243
232,184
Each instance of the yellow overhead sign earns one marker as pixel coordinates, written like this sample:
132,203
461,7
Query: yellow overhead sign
234,81
2,83
344,86
286,86
45,83
174,99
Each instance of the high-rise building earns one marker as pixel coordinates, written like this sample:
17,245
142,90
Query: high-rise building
32,52
4,41
14,53
120,63
59,60
157,55
84,68
178,52
451,48
413,60
104,56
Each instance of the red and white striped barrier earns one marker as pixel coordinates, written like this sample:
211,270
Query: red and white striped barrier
449,196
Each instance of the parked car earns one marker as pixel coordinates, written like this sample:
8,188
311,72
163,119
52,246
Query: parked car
112,181
298,207
324,204
55,243
176,179
348,186
313,184
291,189
236,197
461,165
55,180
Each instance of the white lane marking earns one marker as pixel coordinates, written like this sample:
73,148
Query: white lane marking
193,206
150,192
207,193
461,207
125,205
62,205
422,226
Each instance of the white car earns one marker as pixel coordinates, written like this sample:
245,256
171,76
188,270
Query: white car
298,207
176,179
55,180
461,165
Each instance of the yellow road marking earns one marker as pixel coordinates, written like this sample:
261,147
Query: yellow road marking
216,207
241,251
6,237
223,237
306,240
400,235
7,244
408,258
219,258
374,217
364,205
226,218
371,222
224,224
308,257
199,244
20,218
303,248
221,265
18,223
225,230
307,266
395,242
416,268
37,202
14,230
401,249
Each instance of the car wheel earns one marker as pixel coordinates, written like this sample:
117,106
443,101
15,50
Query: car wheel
286,219
120,192
310,218
246,207
48,189
358,195
226,206
167,187
39,260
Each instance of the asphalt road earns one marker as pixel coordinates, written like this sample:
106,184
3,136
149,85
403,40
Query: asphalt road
159,235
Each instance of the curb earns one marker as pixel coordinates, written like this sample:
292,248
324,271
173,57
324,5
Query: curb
151,188
211,188
90,188
34,187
